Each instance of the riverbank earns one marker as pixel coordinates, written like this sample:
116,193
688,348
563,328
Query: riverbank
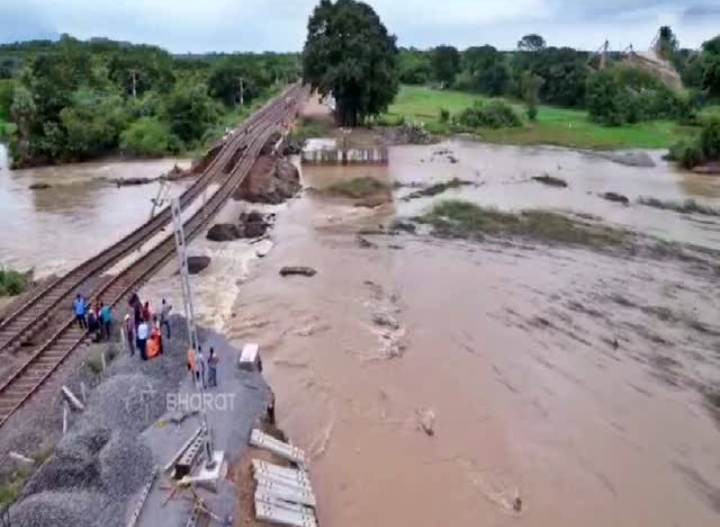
554,126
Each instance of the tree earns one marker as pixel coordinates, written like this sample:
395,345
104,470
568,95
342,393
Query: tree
190,111
350,55
23,112
531,85
531,42
604,99
414,66
445,61
667,43
147,136
711,74
485,71
226,81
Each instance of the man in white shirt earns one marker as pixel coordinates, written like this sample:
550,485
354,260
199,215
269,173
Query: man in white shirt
143,331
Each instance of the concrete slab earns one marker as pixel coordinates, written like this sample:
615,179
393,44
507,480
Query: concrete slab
238,400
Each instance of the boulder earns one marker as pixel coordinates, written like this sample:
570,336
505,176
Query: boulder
400,225
224,232
254,229
617,198
254,224
271,181
197,263
297,270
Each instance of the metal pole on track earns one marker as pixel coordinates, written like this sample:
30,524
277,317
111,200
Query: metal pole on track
181,247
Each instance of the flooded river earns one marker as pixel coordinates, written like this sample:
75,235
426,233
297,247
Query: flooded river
54,229
572,380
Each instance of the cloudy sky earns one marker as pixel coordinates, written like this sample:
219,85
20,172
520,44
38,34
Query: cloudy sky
279,25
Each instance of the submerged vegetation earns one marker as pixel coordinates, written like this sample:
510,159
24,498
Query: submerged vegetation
689,206
361,187
462,219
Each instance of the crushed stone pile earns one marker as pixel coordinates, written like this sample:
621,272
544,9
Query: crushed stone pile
66,509
136,460
102,462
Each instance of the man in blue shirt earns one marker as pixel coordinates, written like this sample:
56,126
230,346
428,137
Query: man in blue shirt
80,307
106,318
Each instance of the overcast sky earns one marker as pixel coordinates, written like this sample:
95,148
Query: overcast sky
279,25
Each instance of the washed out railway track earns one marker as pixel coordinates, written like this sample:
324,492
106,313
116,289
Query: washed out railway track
27,318
229,167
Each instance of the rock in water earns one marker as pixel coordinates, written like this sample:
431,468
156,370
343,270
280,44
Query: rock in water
197,263
366,244
547,179
224,232
132,181
618,198
427,422
297,270
40,186
270,181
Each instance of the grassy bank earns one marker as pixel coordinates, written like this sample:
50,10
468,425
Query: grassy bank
556,126
462,219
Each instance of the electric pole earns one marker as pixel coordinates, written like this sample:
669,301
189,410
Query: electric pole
181,246
242,91
134,75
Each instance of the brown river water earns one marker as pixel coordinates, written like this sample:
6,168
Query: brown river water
504,350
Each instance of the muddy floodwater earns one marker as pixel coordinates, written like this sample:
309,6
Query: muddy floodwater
437,382
54,229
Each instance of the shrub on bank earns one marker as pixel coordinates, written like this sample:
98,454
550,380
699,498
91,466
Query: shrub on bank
12,282
493,114
706,148
146,137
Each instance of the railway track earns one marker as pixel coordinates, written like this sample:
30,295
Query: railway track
26,320
29,377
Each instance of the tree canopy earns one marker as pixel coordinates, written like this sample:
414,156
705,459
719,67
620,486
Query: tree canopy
350,55
445,62
531,42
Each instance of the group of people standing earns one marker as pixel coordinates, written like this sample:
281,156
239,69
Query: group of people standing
203,369
144,330
97,319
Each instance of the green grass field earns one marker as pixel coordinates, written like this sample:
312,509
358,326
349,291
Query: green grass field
555,126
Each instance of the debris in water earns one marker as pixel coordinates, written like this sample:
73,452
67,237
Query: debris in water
617,198
547,179
426,420
297,270
517,504
366,244
382,319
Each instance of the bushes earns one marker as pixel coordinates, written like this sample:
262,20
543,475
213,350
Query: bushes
146,137
626,96
12,282
706,148
710,140
493,114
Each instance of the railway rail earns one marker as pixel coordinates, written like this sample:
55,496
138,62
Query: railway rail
45,360
26,319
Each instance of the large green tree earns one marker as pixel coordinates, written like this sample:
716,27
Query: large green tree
445,62
531,42
350,55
